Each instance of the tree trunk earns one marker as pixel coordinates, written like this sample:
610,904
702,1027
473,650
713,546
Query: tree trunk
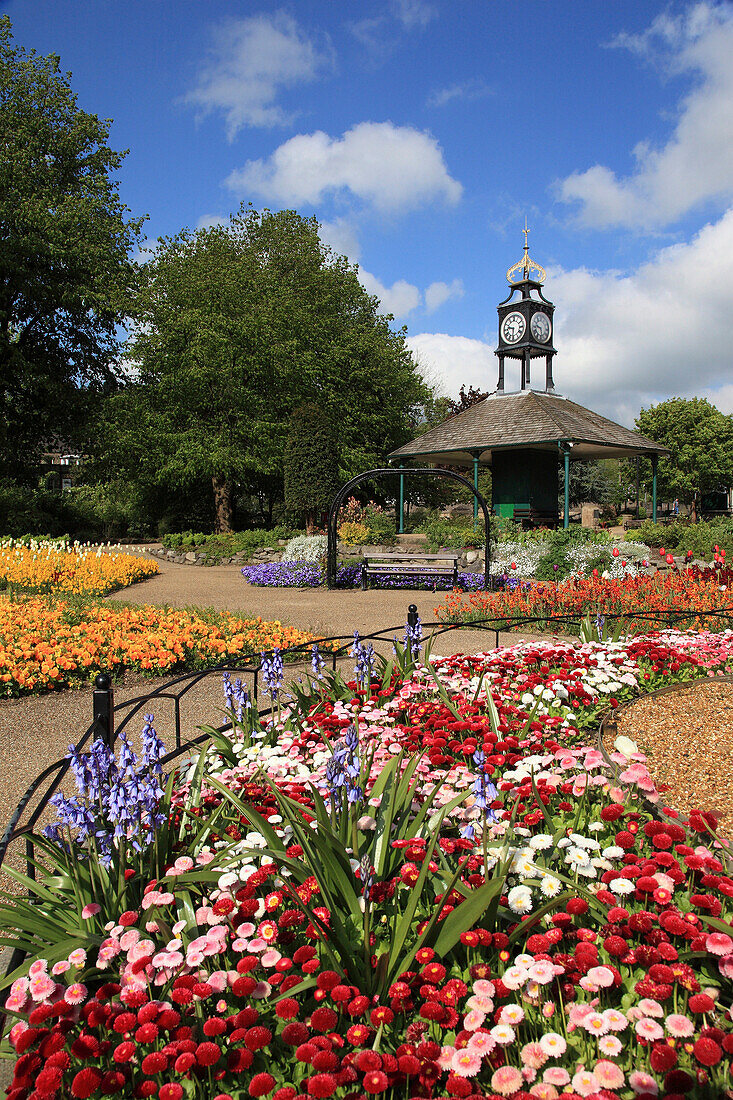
693,509
310,523
222,503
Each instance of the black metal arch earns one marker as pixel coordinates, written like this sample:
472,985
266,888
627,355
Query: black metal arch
391,471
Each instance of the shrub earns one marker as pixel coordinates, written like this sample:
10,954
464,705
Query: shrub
381,527
701,538
452,534
226,544
353,533
306,548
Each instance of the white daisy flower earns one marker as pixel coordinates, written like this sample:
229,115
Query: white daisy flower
621,886
550,886
520,899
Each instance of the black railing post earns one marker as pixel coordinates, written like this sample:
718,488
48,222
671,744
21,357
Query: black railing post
103,702
412,616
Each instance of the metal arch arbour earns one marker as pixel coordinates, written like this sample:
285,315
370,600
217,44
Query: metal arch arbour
391,471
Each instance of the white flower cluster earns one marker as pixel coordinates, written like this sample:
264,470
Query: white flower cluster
306,548
525,557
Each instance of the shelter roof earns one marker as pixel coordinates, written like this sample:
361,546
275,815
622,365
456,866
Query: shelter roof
529,418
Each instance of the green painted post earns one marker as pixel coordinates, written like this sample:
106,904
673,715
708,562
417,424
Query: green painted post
475,485
566,517
402,505
655,462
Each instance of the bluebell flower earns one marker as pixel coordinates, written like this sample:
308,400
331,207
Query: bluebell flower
413,638
272,673
343,769
364,660
118,800
317,662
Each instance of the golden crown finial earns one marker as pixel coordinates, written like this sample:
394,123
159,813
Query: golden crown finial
524,266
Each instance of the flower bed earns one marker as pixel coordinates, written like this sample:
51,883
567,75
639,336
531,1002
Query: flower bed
46,645
433,885
691,591
76,570
309,574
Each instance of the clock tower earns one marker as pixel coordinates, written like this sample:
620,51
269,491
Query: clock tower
526,322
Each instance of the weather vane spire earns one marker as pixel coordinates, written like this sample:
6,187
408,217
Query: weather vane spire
523,267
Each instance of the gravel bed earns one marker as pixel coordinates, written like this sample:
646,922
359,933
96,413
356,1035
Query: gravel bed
687,735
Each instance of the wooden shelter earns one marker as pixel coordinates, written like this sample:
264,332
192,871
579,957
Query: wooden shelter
523,435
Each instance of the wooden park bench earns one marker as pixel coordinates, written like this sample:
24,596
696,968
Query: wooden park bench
437,566
534,517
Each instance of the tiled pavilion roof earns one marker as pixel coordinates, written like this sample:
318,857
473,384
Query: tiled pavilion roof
526,419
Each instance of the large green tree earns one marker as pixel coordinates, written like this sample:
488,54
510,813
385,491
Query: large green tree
700,439
238,325
65,239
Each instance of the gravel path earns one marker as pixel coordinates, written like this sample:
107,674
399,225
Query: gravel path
687,735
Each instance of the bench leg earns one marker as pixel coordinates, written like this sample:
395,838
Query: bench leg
364,579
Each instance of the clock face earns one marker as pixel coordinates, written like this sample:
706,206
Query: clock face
540,327
512,328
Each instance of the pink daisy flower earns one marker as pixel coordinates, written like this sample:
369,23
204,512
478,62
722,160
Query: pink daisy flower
41,986
60,967
553,1045
595,1024
544,1091
584,1082
466,1062
608,1075
506,1080
609,1044
651,1008
601,976
643,1082
91,910
482,1042
556,1075
543,972
647,1028
503,1034
719,944
533,1055
473,1020
445,1058
511,1014
75,994
679,1026
616,1020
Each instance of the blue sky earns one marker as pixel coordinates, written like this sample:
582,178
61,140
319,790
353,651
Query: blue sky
421,132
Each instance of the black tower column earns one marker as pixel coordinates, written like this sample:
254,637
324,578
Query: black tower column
500,383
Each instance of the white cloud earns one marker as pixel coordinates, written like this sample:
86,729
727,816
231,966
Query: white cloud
663,330
208,221
414,13
340,235
438,293
696,164
399,299
250,61
454,361
392,168
624,340
468,90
